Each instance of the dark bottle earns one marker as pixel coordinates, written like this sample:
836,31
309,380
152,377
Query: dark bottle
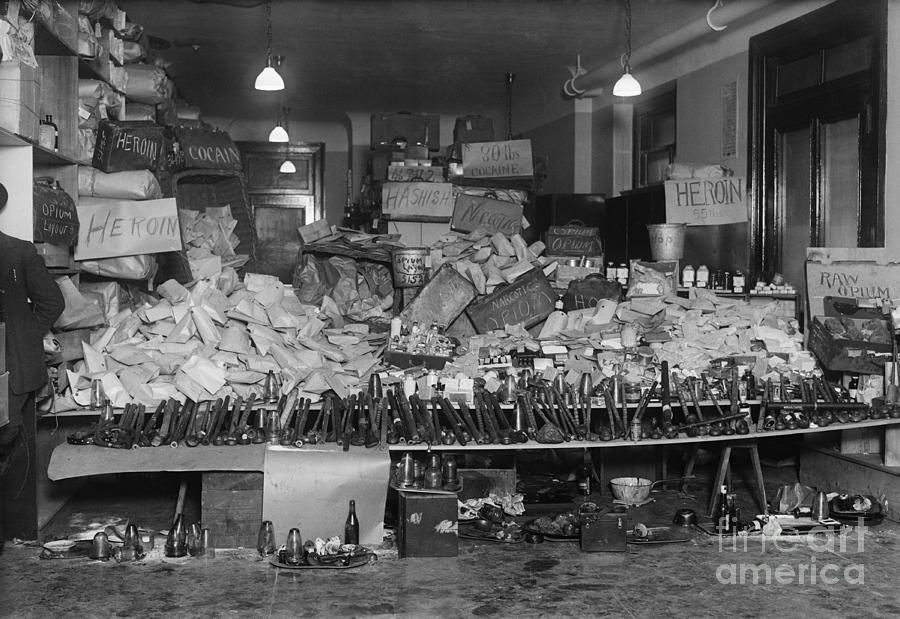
351,527
749,381
584,480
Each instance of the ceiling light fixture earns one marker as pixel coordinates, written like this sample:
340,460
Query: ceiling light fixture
627,86
279,132
287,167
268,78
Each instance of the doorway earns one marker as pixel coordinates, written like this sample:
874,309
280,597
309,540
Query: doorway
817,137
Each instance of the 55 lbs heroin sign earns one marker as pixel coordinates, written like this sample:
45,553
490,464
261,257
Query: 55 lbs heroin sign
111,228
706,201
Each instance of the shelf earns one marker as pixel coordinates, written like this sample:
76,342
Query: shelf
8,138
88,70
46,43
49,157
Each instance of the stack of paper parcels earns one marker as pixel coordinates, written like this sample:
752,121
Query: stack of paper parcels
217,339
210,240
487,260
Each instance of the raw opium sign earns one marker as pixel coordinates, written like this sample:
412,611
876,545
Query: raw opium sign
706,201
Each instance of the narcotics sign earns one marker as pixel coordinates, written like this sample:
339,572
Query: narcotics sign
111,228
473,212
706,201
508,159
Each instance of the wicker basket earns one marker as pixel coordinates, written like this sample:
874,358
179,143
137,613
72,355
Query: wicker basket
196,190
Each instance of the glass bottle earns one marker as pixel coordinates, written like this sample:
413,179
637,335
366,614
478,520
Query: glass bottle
55,130
687,276
724,522
611,271
351,527
740,282
702,276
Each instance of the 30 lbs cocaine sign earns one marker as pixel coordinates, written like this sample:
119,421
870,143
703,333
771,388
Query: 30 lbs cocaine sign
111,228
509,159
706,201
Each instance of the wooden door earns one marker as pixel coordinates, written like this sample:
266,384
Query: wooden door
281,202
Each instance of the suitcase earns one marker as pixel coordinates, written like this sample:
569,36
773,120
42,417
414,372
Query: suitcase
473,129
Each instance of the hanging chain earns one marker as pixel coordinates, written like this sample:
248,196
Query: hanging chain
269,30
628,35
509,80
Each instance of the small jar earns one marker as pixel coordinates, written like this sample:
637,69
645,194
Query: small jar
739,283
632,391
611,271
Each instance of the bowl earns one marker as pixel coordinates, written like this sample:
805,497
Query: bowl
685,517
631,490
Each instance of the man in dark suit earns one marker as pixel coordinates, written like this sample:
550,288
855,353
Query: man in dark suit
30,302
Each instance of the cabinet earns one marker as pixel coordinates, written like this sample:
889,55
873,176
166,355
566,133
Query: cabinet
281,202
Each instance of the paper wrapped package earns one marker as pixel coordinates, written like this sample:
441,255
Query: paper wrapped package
128,185
80,311
124,267
146,83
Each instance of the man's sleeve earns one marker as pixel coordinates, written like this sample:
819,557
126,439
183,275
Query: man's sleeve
46,298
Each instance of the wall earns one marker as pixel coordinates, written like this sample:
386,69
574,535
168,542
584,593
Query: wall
333,135
699,113
555,143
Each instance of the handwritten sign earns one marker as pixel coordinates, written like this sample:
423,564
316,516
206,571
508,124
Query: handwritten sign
111,228
441,300
588,292
573,241
205,149
473,212
528,300
417,201
55,217
406,174
862,274
508,159
706,201
128,146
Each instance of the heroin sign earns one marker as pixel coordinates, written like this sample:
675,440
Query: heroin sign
706,201
112,228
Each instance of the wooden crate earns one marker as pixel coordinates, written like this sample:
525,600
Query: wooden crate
231,507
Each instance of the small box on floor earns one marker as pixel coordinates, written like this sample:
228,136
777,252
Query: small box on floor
427,525
603,533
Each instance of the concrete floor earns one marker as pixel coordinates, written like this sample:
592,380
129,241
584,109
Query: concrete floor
550,579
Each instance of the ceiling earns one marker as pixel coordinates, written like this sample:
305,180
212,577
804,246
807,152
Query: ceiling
389,55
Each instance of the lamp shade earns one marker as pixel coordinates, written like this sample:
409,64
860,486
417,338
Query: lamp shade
287,167
627,86
269,79
278,134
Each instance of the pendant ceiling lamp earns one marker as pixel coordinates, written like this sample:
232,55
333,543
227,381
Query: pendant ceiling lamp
627,86
279,132
268,78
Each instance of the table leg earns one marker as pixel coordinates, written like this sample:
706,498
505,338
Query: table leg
724,461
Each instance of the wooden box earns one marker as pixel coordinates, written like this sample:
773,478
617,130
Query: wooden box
427,525
231,506
481,483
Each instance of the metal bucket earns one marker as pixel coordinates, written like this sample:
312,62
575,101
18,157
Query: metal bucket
409,267
666,241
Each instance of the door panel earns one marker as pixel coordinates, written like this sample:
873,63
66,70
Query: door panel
840,183
794,199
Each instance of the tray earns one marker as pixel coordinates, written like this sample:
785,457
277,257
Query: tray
470,532
353,562
528,527
659,535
